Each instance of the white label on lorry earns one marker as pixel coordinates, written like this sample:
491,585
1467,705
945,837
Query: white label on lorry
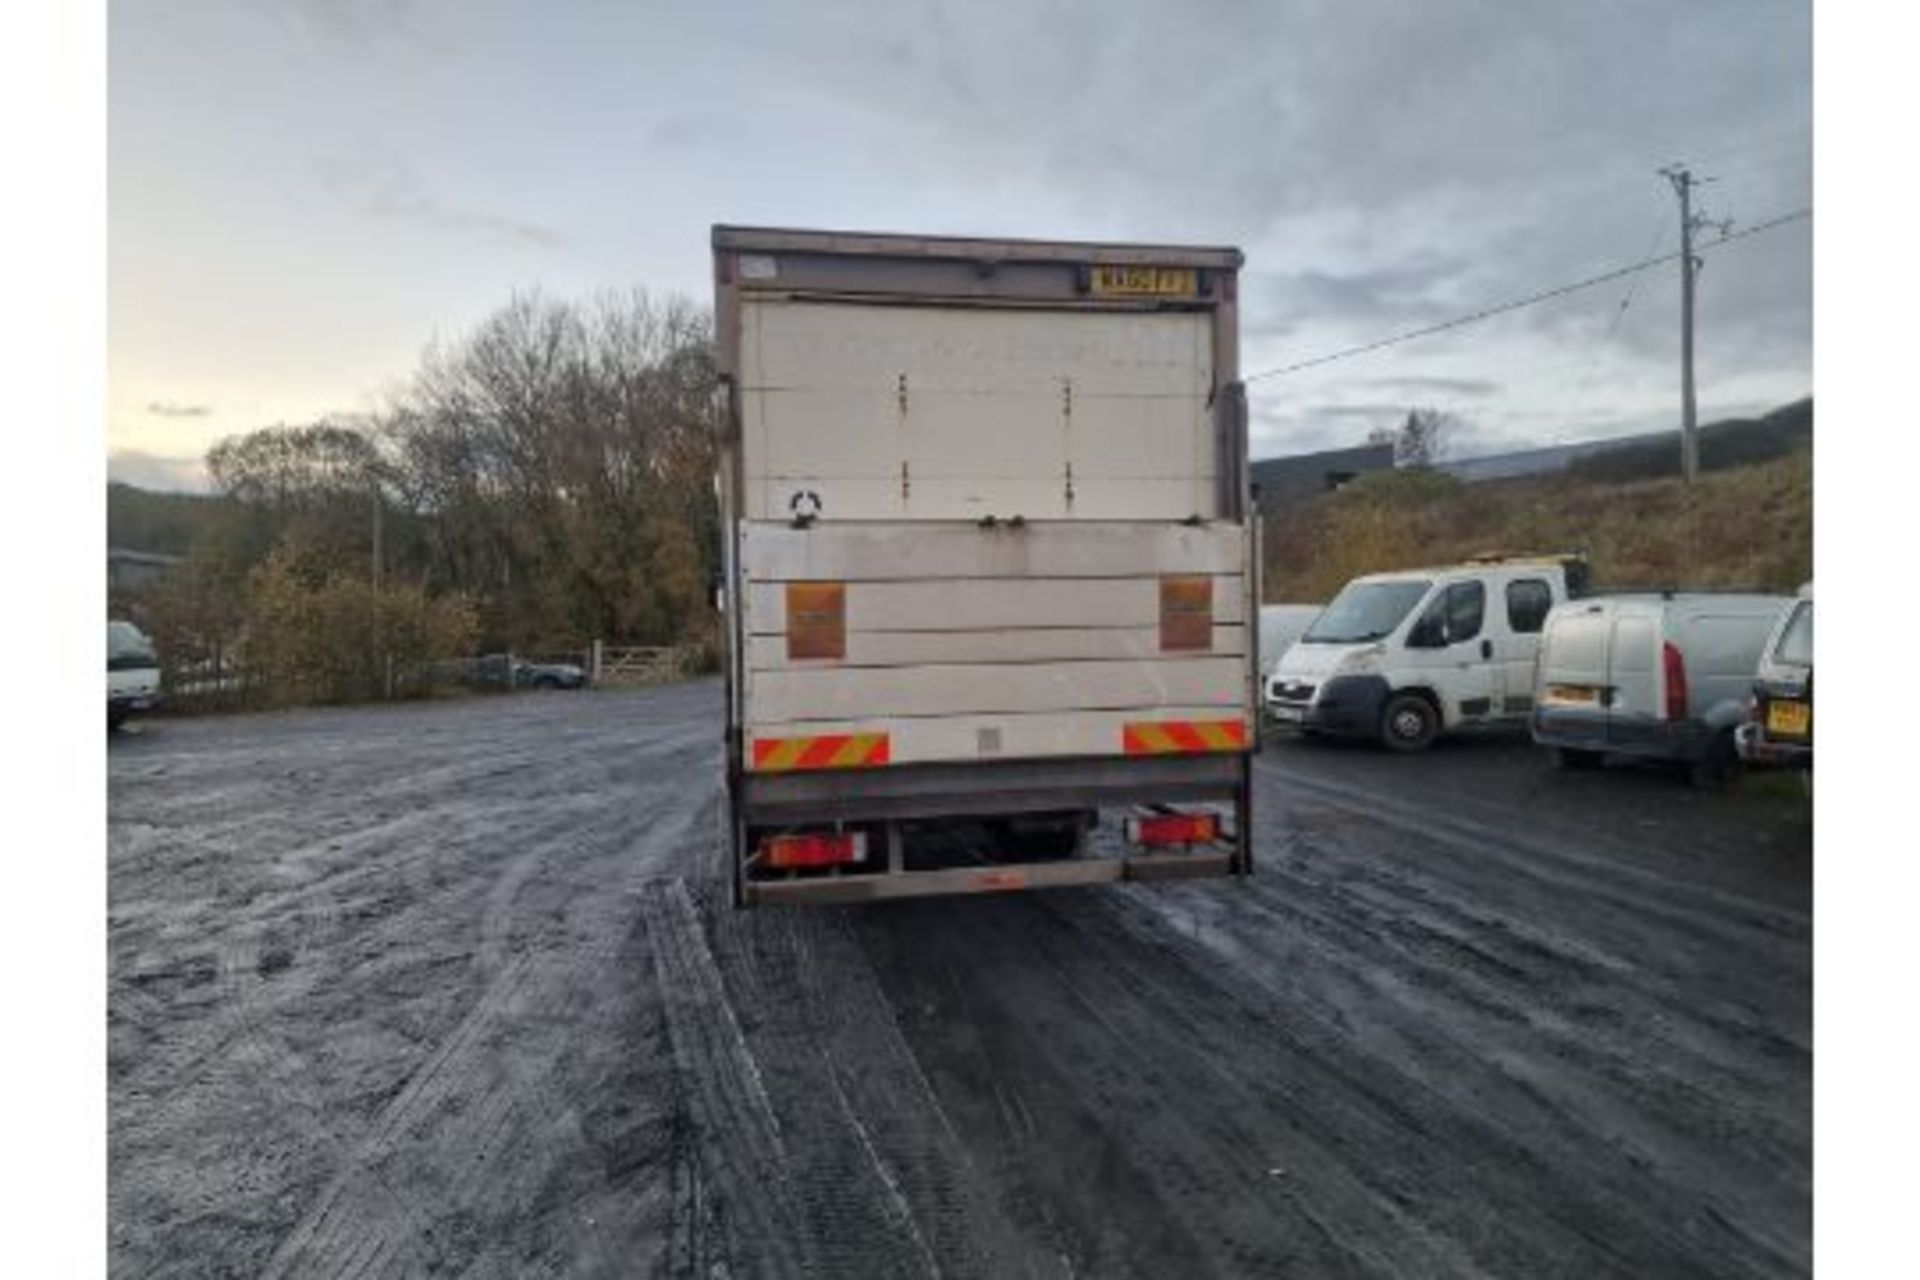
758,266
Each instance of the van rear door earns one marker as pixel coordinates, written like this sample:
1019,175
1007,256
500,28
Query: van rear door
1575,686
1635,707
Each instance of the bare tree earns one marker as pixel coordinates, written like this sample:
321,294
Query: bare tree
553,465
1424,437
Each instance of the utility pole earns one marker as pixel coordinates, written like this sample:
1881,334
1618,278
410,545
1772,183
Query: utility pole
1683,183
383,662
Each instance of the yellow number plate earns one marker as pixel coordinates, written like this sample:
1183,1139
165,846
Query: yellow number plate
1791,718
1157,282
1573,693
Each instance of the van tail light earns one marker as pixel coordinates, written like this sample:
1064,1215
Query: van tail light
1174,828
821,849
1675,669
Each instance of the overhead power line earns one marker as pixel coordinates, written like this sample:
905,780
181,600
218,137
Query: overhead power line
1532,299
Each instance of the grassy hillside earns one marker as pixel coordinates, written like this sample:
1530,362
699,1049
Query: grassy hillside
146,520
1743,526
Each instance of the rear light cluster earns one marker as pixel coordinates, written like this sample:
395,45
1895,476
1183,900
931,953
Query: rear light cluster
821,849
1174,828
1675,669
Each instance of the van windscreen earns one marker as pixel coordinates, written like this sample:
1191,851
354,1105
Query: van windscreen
1796,643
1366,611
127,648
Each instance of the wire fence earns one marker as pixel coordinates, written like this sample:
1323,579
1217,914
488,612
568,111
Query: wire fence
223,682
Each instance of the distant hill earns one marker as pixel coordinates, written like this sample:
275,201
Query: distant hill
1735,442
1744,524
1731,442
144,520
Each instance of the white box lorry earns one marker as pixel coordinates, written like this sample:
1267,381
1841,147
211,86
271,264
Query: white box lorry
990,563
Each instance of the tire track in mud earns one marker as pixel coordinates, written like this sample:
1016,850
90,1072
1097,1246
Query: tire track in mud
886,1183
741,1150
1735,919
525,1034
1683,1052
1182,1113
1465,1097
363,869
1382,1172
1487,962
449,1150
1700,963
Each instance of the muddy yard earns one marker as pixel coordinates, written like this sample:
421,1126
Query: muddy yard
454,988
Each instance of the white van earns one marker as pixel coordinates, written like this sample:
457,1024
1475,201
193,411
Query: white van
1280,626
1406,656
133,672
1663,677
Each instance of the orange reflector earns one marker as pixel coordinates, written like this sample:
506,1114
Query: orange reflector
816,620
822,751
1174,828
1174,737
819,850
1186,612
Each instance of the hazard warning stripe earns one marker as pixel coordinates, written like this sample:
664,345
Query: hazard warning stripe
1179,737
823,751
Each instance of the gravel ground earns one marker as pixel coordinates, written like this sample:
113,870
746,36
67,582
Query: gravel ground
454,989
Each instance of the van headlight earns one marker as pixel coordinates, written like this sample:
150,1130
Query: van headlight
1362,662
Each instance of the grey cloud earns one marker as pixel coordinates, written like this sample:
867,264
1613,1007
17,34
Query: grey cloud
418,207
172,409
1367,411
383,185
1408,291
1384,167
1418,385
355,23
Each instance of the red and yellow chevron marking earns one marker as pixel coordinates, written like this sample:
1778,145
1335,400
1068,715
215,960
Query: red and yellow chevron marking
826,751
1177,737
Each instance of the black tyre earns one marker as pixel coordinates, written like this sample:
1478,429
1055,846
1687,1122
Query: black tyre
1717,767
546,682
1577,758
1408,723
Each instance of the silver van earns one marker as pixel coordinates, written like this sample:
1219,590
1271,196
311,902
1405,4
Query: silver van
1662,677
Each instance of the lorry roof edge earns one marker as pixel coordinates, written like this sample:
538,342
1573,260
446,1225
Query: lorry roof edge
793,239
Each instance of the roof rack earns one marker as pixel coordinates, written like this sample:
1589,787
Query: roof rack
1525,557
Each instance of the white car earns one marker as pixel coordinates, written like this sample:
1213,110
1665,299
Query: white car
1404,657
133,673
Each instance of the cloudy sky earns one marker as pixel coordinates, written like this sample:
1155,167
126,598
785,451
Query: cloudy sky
304,194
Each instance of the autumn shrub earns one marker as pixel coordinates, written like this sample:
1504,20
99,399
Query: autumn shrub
342,639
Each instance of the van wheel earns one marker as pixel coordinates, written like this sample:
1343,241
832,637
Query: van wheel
1408,723
1576,758
1716,768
